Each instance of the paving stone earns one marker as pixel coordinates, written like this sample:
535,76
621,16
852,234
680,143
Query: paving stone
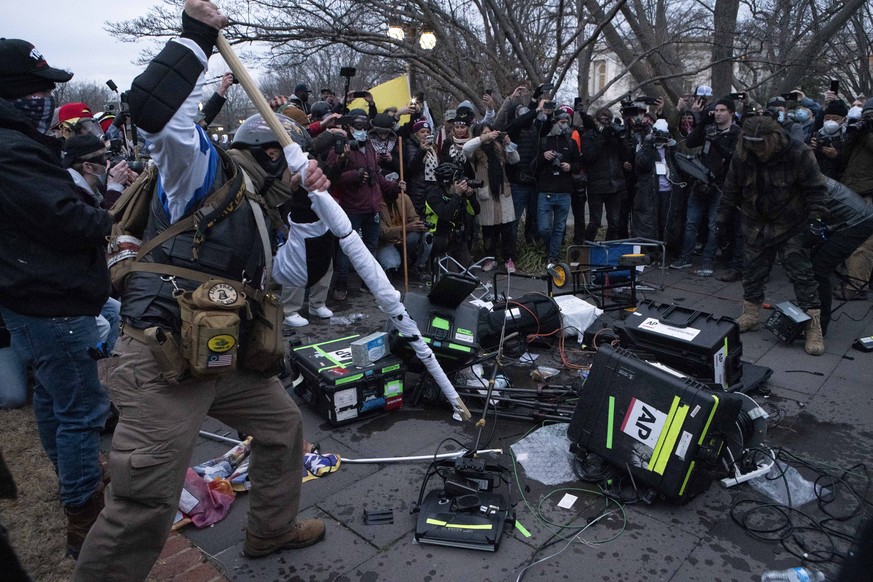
646,550
341,551
814,370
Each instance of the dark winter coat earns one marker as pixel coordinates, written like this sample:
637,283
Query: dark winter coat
549,177
52,233
355,194
776,197
651,205
604,154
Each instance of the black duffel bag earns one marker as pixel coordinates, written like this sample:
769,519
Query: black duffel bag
533,313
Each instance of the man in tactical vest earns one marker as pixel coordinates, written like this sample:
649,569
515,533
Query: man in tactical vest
221,261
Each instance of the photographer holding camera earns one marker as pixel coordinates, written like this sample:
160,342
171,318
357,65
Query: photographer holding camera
858,153
554,168
450,211
716,135
827,142
358,190
604,152
656,203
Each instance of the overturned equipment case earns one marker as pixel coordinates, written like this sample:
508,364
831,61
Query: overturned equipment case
695,343
341,391
665,429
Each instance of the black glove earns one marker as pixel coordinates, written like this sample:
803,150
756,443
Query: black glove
816,234
363,175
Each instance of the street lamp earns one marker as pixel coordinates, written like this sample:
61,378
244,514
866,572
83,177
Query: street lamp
427,40
395,31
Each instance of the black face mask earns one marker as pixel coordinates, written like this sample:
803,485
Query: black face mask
272,167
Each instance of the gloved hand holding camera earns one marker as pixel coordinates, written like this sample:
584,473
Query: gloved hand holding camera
816,233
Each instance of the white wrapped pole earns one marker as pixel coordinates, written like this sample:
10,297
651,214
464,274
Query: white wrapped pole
329,211
387,297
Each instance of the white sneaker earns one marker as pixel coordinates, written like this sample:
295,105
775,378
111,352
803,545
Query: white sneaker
488,265
323,312
296,320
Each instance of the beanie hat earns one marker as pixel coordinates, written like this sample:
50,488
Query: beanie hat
729,103
868,107
463,115
854,113
450,114
23,70
384,121
661,125
837,107
81,148
419,125
302,87
277,102
73,112
296,114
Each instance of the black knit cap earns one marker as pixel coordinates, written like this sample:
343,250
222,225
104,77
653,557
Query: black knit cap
837,107
23,70
82,148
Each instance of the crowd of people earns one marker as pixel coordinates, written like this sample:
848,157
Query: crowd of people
792,181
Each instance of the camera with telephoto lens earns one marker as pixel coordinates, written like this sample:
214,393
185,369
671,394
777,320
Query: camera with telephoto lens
137,165
474,183
339,145
862,125
823,140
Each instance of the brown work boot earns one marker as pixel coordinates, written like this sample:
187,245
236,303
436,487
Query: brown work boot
80,519
748,320
814,340
305,533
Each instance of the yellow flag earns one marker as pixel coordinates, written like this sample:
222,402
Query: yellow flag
393,93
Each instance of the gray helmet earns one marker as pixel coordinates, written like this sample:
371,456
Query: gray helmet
319,109
255,132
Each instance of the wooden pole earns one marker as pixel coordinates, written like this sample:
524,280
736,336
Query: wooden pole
260,102
403,216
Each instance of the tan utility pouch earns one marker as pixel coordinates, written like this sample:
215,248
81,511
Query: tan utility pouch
211,326
264,347
165,350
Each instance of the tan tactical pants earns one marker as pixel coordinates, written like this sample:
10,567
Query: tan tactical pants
151,451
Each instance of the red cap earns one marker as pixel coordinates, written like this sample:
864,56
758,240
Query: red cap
73,111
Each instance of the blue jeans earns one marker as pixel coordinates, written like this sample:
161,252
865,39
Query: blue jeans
69,403
701,206
524,197
368,227
108,322
418,247
553,208
13,379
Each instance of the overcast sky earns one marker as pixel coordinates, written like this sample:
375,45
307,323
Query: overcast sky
70,34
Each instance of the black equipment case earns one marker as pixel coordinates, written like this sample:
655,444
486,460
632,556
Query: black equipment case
696,343
533,313
342,392
667,430
452,333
